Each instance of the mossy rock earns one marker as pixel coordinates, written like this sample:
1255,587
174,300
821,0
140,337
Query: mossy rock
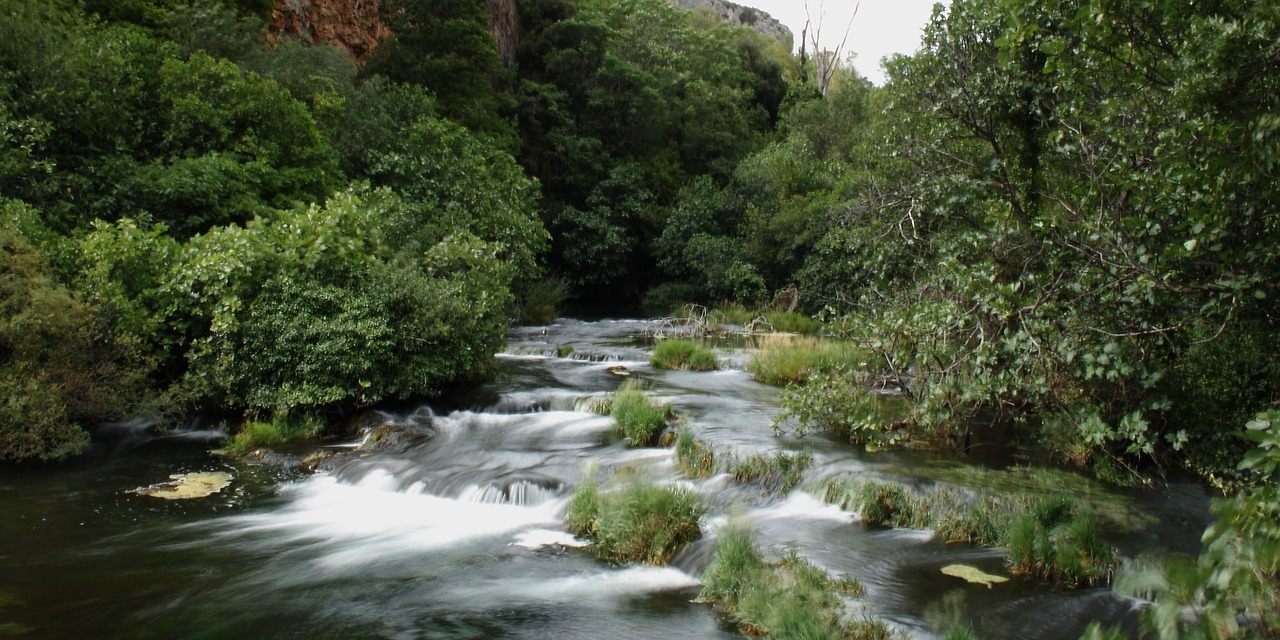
188,486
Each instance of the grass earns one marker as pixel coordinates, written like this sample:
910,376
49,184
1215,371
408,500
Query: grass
683,354
782,360
791,598
789,322
637,417
640,523
694,457
256,434
540,303
778,473
1052,538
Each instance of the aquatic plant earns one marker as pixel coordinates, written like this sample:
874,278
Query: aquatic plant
778,473
1053,538
694,456
683,354
640,523
790,598
636,416
782,360
279,430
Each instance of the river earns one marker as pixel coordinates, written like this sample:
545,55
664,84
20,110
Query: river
457,530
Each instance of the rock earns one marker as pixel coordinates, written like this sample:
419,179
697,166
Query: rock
618,370
355,26
186,486
743,17
973,574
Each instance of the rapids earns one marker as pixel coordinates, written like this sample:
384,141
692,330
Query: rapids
458,533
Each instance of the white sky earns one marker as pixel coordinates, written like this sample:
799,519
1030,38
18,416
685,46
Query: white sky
881,28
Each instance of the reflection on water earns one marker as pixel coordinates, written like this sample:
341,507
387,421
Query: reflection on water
455,530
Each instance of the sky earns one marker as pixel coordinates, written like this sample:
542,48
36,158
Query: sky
881,27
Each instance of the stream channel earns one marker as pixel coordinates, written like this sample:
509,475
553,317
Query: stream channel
457,531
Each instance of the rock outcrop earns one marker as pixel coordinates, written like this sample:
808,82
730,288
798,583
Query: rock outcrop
351,25
743,16
355,26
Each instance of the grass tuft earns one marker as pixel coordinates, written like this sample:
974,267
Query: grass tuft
783,360
778,473
255,434
683,354
791,598
636,416
640,523
694,457
1051,538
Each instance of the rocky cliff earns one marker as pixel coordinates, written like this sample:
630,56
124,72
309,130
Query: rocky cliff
351,25
744,16
355,25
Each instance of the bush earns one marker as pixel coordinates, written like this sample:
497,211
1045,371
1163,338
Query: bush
693,456
778,473
683,354
641,523
637,417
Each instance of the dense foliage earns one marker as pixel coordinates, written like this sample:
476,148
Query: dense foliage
196,221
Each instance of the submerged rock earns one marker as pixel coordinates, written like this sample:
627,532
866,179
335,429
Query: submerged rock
973,574
185,486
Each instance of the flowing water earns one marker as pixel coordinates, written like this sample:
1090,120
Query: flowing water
455,530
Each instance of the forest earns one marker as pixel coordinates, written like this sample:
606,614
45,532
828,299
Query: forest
1057,214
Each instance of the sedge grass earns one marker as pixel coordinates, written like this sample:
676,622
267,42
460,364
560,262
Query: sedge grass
637,417
683,354
781,360
640,523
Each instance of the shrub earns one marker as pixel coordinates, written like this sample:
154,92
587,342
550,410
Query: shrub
693,456
778,473
683,354
637,417
641,523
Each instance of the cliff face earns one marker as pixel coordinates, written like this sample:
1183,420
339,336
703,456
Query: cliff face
351,25
742,16
355,26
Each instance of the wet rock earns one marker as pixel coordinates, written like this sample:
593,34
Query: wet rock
186,486
396,438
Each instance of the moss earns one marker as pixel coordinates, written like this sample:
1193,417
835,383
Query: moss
186,486
973,575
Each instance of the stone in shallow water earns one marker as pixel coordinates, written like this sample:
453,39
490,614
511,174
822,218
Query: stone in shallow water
973,574
185,486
